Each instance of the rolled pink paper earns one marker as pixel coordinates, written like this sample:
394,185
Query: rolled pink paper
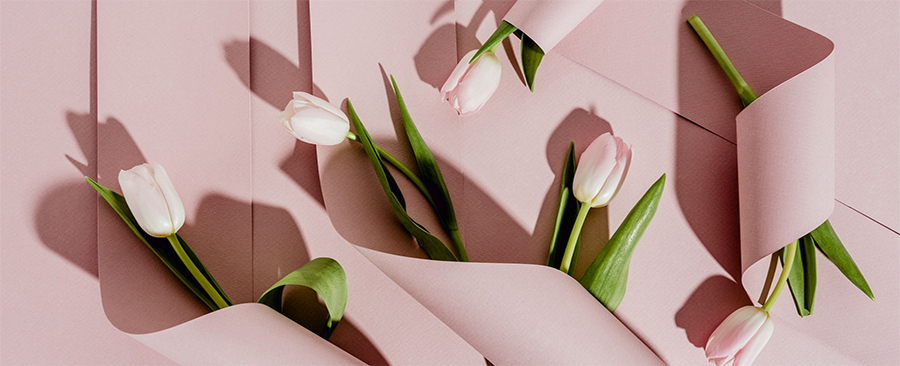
549,21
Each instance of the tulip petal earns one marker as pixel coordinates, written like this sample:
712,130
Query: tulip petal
146,201
318,126
321,103
735,331
479,83
455,76
173,202
747,355
616,177
594,167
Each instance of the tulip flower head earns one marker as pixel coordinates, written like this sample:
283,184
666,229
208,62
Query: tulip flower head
601,170
471,85
740,337
152,199
313,120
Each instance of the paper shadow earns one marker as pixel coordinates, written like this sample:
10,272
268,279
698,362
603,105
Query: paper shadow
709,304
361,214
707,180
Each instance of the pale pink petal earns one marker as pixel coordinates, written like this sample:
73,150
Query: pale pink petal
320,103
735,331
616,177
457,75
173,202
747,355
146,201
479,83
320,127
594,167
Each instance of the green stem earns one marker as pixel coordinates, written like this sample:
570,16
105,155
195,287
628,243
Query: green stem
747,95
494,48
176,244
402,168
573,238
785,271
457,241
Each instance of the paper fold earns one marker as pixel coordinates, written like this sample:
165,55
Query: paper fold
548,22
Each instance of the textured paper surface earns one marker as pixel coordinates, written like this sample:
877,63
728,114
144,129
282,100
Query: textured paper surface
548,22
185,103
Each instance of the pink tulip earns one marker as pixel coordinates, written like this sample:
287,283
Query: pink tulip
601,170
740,337
471,85
152,199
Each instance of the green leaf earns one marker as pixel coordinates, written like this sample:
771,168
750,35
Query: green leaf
607,276
433,246
532,54
430,173
503,31
802,279
162,248
326,277
831,246
565,214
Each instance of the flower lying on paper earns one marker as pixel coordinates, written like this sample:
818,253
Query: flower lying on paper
152,198
531,53
740,337
594,183
152,210
470,85
313,120
601,171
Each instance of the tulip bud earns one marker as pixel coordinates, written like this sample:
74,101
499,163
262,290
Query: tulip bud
471,85
740,337
313,120
601,170
152,199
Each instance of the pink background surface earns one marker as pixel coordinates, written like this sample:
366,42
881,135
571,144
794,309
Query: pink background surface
50,305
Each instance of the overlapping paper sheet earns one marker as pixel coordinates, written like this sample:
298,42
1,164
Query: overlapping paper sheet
174,88
195,86
502,167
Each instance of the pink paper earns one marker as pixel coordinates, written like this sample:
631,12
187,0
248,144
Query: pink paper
246,216
548,22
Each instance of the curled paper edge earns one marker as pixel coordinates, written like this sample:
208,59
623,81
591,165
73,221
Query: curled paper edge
517,313
548,22
785,166
244,334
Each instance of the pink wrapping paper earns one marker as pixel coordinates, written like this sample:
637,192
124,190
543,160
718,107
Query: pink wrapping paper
548,22
170,97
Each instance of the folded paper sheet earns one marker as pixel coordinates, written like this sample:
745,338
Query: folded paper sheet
173,88
501,166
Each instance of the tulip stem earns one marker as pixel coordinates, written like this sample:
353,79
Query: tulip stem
782,279
176,244
460,247
402,168
573,239
747,95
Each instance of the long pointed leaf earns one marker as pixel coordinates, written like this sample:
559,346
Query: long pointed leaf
532,54
503,31
830,245
160,246
326,277
565,214
429,171
433,246
607,276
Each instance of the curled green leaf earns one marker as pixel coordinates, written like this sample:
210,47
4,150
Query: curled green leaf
323,275
607,276
532,54
802,279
